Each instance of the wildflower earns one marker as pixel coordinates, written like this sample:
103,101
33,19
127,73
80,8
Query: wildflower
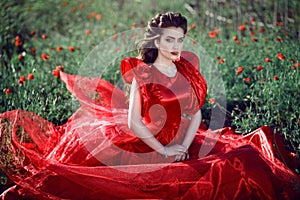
247,80
278,39
98,17
44,56
221,61
44,36
252,33
218,41
276,78
239,70
254,39
33,51
32,33
71,48
234,38
30,76
22,78
262,30
8,91
259,68
59,48
193,26
116,49
212,101
20,57
115,36
280,56
242,28
294,67
133,26
88,31
297,64
65,3
73,9
267,60
81,6
193,42
55,73
18,42
238,42
213,34
59,68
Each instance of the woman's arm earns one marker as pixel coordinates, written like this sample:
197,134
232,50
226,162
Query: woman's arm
136,124
190,135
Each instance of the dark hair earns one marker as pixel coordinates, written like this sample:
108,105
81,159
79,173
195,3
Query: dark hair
147,51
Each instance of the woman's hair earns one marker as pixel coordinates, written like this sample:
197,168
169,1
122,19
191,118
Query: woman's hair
147,50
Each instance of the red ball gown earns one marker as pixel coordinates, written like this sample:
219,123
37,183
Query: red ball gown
96,156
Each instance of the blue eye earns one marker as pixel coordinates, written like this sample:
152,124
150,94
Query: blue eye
180,40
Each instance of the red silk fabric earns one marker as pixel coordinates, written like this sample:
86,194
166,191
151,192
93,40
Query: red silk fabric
96,156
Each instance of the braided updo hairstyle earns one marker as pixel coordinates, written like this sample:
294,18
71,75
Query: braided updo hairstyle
147,50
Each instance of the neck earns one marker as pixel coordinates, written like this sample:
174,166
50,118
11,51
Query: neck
161,61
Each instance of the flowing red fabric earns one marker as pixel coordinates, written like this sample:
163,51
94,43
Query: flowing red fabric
96,156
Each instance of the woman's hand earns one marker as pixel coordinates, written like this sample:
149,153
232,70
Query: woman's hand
177,150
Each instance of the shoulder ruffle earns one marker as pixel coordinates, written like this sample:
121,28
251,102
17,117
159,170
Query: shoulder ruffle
134,68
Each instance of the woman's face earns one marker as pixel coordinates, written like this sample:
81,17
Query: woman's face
171,43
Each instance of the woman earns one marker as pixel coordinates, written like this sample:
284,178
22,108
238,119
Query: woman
108,150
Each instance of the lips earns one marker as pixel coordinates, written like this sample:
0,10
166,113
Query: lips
175,53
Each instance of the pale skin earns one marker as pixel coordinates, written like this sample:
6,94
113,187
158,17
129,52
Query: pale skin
169,47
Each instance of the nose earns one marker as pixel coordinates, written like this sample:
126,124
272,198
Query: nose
175,45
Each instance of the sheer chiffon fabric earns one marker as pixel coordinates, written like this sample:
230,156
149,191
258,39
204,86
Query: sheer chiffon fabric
96,156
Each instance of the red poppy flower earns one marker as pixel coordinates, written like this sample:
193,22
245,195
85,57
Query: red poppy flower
238,42
44,36
65,3
81,5
242,28
71,48
262,30
8,91
193,26
59,48
33,51
88,31
115,36
247,80
59,68
30,76
278,23
254,39
193,42
276,78
234,38
20,57
73,9
212,34
98,17
44,56
278,39
22,78
133,25
221,61
218,57
294,67
280,56
18,43
297,64
218,41
239,70
32,33
55,73
267,60
212,101
259,68
252,33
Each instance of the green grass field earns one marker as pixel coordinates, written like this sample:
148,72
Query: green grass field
259,66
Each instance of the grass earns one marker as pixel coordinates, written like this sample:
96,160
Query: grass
250,96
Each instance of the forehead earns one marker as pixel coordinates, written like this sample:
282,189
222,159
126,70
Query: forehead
175,32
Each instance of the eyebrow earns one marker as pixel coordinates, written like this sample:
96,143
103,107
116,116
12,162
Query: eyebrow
173,37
